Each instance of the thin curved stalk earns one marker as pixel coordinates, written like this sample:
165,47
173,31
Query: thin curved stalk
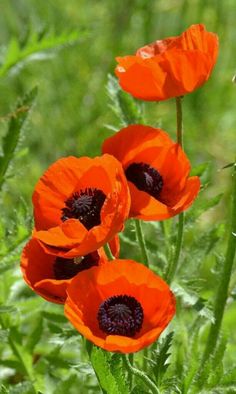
108,252
174,265
141,241
223,287
140,374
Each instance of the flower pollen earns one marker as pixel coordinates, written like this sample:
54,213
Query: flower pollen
120,315
145,178
85,206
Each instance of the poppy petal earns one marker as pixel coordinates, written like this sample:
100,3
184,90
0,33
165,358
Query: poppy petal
119,277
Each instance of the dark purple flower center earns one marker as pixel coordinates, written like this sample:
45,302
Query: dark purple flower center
120,315
145,178
85,206
68,268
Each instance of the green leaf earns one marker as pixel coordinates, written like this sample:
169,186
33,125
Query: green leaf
118,371
160,357
123,105
36,47
200,169
22,388
200,206
229,376
107,372
190,297
228,166
54,317
65,385
35,334
7,309
4,336
3,390
139,389
12,136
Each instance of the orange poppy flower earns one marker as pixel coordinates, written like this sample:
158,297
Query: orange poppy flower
50,275
171,67
122,306
157,171
80,204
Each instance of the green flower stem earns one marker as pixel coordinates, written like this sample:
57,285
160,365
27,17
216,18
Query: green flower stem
174,265
141,241
179,120
222,291
108,252
140,375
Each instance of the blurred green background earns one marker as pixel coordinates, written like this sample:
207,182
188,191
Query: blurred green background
71,113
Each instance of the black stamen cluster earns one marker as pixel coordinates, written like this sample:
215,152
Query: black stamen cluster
145,178
85,206
68,268
120,315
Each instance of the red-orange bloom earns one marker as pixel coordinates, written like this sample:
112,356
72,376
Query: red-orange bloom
50,275
157,171
80,204
122,306
171,67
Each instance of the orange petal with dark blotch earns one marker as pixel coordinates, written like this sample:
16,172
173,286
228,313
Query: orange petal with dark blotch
116,278
54,187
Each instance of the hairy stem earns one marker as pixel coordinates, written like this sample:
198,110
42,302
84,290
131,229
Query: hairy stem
141,241
179,120
222,291
108,252
149,383
174,265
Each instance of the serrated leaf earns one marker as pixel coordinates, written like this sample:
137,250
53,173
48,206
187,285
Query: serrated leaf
118,371
123,105
101,362
190,298
35,48
12,136
54,317
201,205
159,360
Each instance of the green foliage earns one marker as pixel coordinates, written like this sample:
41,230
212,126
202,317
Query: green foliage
11,139
159,359
201,206
123,105
35,47
109,371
